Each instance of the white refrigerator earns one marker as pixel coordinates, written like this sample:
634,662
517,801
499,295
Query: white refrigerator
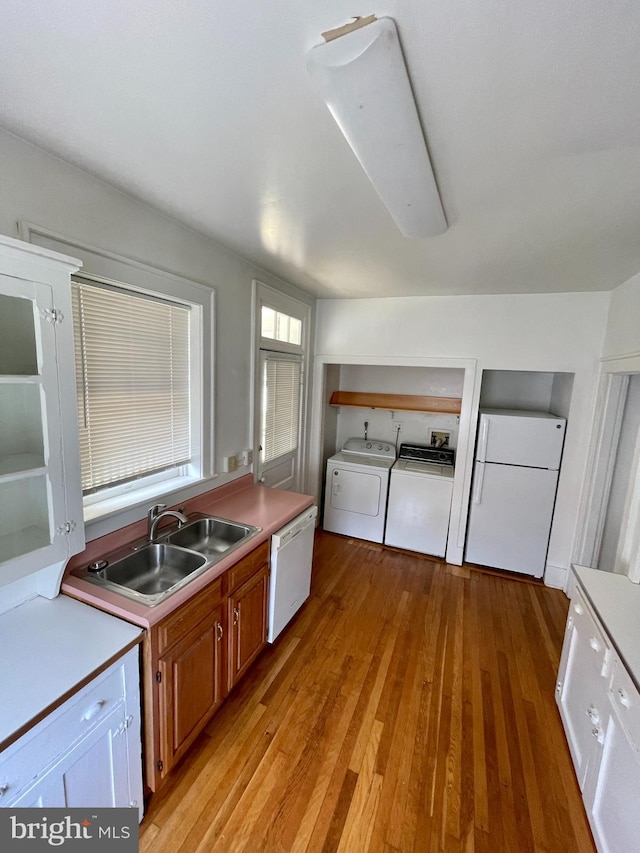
514,489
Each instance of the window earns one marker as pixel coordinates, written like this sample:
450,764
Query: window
281,410
277,326
133,374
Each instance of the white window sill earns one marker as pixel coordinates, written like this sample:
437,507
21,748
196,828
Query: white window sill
110,505
108,515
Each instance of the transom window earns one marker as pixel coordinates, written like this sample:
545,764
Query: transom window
277,326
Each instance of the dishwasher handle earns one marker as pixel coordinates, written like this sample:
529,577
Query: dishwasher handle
295,527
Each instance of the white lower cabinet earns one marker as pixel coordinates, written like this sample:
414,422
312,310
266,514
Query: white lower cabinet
86,753
581,690
600,709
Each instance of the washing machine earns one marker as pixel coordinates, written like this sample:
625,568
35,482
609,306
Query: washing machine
420,492
356,488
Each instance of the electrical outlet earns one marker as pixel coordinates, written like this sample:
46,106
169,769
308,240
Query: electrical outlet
397,425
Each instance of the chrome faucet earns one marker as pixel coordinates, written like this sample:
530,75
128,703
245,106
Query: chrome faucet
156,514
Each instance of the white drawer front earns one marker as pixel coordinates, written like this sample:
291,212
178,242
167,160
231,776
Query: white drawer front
626,701
29,756
587,626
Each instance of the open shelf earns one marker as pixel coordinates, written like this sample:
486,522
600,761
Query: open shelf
24,515
21,465
397,402
20,542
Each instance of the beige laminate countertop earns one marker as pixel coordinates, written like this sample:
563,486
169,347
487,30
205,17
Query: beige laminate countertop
243,501
616,601
50,649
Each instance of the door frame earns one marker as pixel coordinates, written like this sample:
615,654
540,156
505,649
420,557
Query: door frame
613,385
264,294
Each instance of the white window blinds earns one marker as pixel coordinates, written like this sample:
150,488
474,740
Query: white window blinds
132,374
281,411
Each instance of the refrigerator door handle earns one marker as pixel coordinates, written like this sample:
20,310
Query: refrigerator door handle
484,437
478,483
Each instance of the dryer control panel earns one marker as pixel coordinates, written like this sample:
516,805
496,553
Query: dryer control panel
370,447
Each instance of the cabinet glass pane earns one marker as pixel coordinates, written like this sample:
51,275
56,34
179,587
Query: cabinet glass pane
18,348
21,447
24,516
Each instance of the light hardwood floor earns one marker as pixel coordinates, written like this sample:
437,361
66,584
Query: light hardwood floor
409,707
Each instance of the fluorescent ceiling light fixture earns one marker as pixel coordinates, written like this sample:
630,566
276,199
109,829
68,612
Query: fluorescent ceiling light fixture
363,79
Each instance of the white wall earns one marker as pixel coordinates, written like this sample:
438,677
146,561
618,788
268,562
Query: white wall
537,332
44,190
619,547
623,325
621,474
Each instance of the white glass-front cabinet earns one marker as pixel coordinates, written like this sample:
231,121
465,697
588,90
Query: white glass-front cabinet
41,523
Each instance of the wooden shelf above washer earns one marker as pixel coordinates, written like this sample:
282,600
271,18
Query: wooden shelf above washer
397,402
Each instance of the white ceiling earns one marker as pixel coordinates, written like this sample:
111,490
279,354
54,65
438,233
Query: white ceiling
205,111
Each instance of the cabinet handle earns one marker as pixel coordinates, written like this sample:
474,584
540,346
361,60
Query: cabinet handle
219,630
236,615
94,710
624,699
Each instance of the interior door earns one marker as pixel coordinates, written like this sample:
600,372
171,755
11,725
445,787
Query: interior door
278,463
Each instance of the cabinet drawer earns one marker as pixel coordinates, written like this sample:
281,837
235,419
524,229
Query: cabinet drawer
626,701
589,630
29,756
243,570
176,626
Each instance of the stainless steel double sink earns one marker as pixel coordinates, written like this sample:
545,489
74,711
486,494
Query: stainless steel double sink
157,569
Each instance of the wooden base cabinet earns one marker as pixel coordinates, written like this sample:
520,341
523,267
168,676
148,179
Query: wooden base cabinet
197,654
184,675
248,624
600,709
191,685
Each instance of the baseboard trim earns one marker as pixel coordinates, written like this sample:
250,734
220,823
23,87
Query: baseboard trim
556,577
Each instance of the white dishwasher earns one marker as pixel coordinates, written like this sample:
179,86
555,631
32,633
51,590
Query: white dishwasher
291,560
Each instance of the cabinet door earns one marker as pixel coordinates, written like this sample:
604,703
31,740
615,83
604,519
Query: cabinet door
93,774
614,809
581,690
40,511
190,687
247,623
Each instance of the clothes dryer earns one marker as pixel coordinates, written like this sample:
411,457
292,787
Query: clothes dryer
356,488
